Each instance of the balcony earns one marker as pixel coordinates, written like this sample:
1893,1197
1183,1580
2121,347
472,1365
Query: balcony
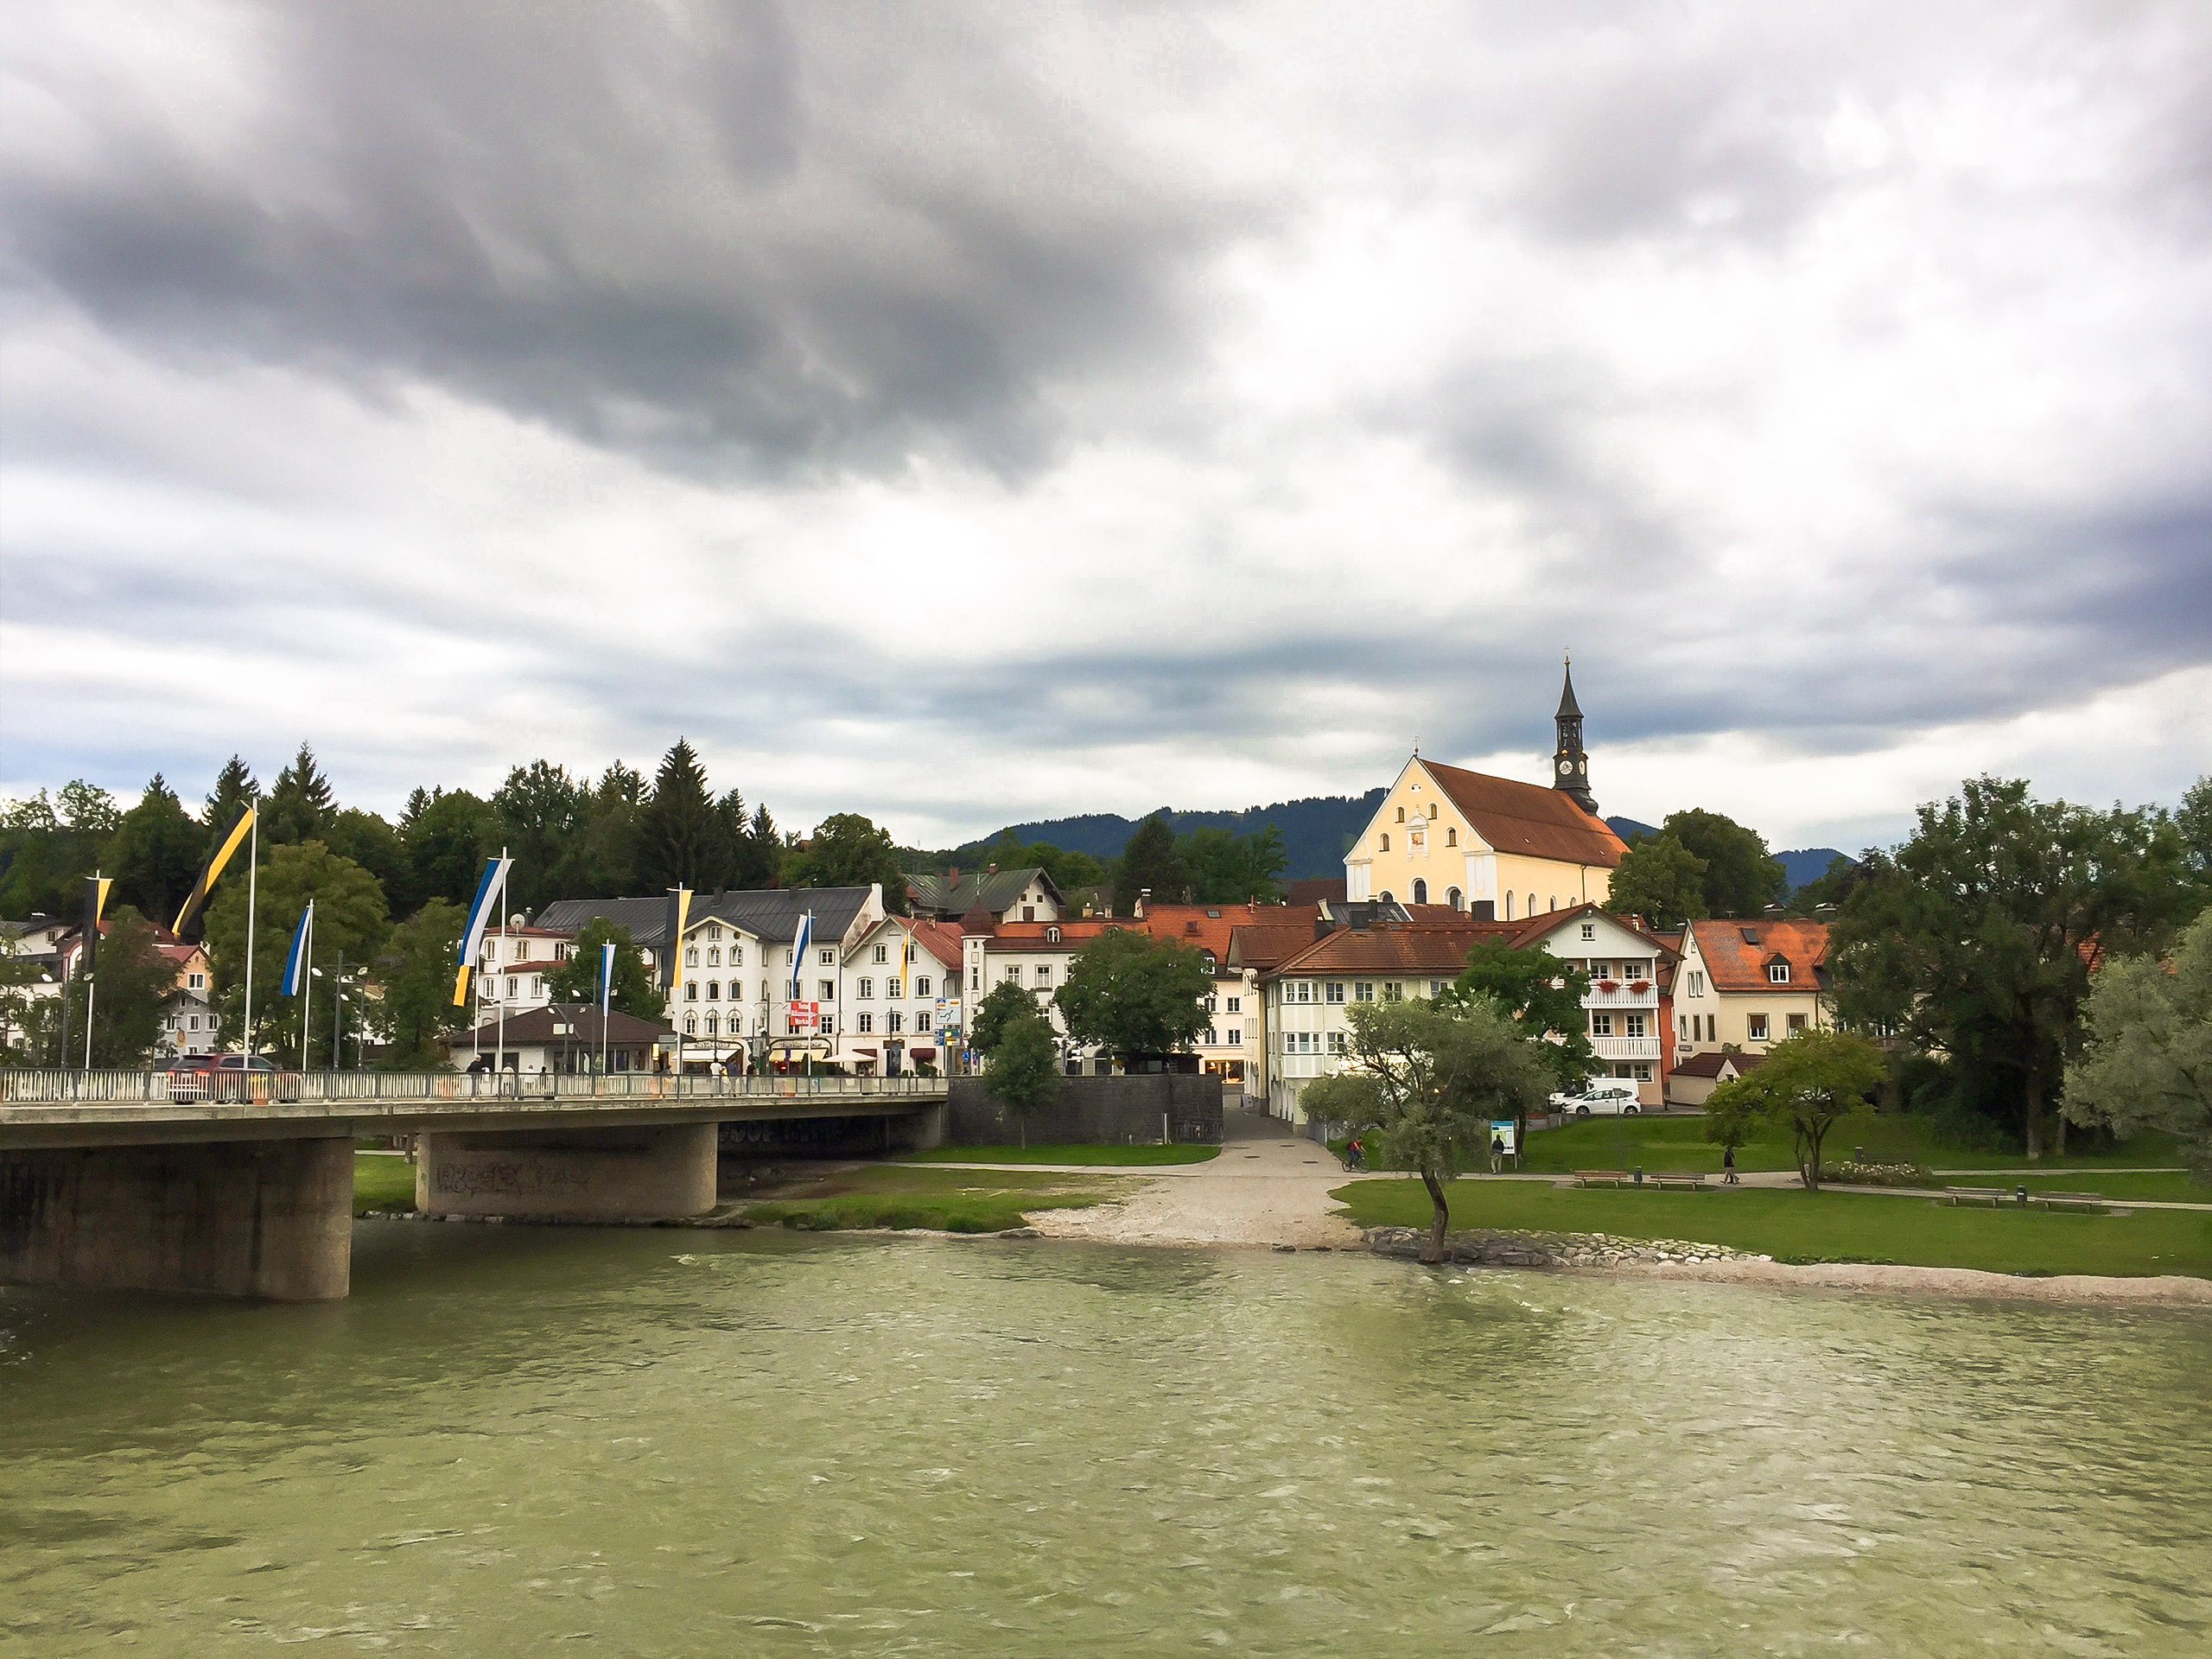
1622,998
1625,1048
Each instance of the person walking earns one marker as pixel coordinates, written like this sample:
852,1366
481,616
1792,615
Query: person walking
1728,1167
1497,1152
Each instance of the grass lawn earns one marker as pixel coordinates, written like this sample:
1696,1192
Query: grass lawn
1792,1225
2166,1187
382,1182
1134,1157
948,1200
1659,1141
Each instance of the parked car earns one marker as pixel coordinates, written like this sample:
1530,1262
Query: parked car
1602,1098
231,1078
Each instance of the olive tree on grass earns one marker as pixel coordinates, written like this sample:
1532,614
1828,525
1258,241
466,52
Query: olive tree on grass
1428,1078
1023,1072
1133,994
2148,1063
1806,1085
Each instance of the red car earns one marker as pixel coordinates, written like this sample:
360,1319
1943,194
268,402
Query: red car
231,1078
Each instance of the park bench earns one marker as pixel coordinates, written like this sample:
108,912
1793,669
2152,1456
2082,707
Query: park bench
1604,1178
2069,1200
1991,1196
1684,1183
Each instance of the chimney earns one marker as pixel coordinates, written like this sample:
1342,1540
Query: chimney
1775,911
1484,910
952,876
1144,898
990,870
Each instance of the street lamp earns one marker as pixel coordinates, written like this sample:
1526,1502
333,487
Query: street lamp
339,980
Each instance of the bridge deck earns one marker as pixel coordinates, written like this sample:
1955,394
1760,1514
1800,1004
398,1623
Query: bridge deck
51,1108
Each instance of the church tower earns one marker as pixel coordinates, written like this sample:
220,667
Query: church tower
1570,765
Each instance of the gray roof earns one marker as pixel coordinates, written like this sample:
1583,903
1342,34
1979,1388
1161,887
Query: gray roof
767,913
995,891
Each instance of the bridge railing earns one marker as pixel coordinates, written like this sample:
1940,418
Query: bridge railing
59,1088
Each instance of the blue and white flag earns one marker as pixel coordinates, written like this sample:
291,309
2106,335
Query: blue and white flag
480,916
800,940
295,964
605,972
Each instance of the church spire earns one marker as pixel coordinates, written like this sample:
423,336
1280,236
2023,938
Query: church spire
1570,765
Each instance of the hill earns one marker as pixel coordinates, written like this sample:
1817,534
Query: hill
1316,831
1805,864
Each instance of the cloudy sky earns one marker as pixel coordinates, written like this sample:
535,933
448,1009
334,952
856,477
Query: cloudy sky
970,414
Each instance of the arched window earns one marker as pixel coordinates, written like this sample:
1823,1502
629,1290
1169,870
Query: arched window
714,957
1421,891
864,1023
893,1022
690,1025
713,1024
1402,815
1532,905
690,990
1051,935
691,955
714,990
737,955
1551,902
1432,811
1387,897
1386,842
1451,834
1452,897
1508,906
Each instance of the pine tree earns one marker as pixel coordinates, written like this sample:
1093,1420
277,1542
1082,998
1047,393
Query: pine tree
301,804
679,840
541,809
235,789
1150,860
764,851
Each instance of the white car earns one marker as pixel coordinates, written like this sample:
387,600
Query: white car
1604,1099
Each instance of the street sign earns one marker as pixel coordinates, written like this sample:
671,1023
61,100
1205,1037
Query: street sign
805,1016
1501,1130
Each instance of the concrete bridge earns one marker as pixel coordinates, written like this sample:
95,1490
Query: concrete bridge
110,1178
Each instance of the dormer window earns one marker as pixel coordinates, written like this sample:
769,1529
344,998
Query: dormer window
1051,935
1778,973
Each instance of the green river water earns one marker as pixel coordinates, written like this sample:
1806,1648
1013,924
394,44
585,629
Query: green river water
542,1441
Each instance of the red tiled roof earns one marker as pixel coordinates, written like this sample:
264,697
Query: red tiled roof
1737,963
1262,945
1529,818
1415,948
1313,890
1537,926
1030,935
1707,1063
941,939
1212,927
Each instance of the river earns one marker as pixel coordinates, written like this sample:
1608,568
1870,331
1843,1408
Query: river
541,1441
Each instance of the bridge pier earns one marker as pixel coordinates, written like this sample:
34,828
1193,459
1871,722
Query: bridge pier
608,1174
266,1219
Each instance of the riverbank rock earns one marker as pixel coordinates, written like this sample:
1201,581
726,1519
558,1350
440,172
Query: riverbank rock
1505,1250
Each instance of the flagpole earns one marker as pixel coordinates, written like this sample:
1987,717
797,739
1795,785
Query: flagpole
252,885
606,990
499,1064
91,990
307,990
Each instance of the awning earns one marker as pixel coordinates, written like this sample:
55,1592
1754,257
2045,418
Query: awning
921,1054
869,1051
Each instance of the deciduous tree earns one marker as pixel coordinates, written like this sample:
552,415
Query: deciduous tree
415,978
634,991
155,853
1149,862
847,850
1805,1084
1023,1073
989,1019
1135,996
1541,994
1429,1077
1660,880
2148,1060
129,990
1740,878
350,922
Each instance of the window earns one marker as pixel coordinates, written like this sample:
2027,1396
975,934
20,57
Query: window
827,958
1757,1032
893,1022
975,979
882,954
1778,973
1532,905
714,990
690,1025
1051,935
1385,846
1432,809
1508,906
194,1022
712,1026
714,957
1393,992
1236,1037
921,1019
828,987
1297,990
1454,897
690,956
1211,1004
922,985
1335,1042
1796,1023
1207,1039
1436,988
1013,974
864,1023
737,955
1589,930
195,981
1421,891
1551,903
1643,1071
892,990
1450,835
690,990
829,1024
1029,912
764,990
1236,1004
714,932
1697,983
1601,1025
1682,1027
1402,815
1044,974
1362,991
512,983
1636,1026
537,984
864,989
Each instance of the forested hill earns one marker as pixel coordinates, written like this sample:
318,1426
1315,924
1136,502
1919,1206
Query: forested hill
1316,831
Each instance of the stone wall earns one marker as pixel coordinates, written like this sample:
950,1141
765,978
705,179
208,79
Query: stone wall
610,1173
1118,1111
270,1219
774,1137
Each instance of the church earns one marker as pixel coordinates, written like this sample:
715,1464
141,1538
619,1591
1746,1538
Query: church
1497,850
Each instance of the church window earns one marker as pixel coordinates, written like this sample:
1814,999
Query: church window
1551,902
1532,905
1386,842
1508,906
1450,835
1453,898
1421,891
1432,809
1402,815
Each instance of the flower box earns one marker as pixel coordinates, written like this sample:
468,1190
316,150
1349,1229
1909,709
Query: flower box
1609,986
1640,986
